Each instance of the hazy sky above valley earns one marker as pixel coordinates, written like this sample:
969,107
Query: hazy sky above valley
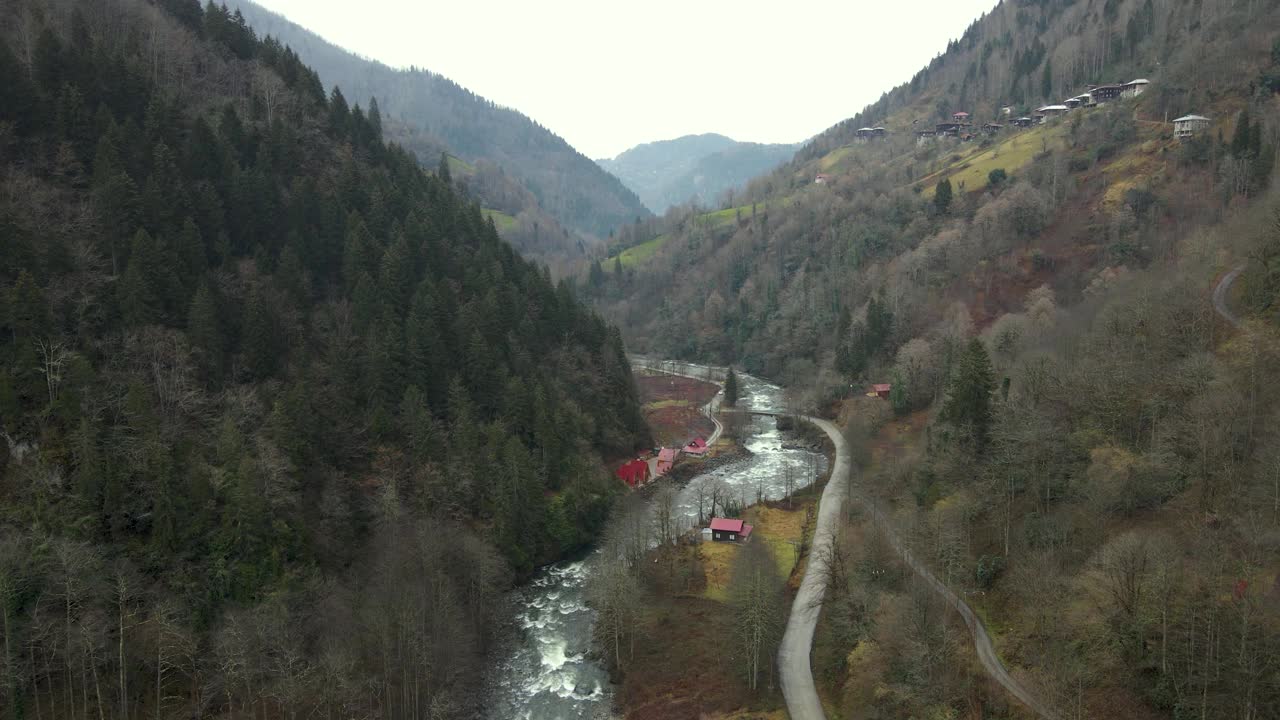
607,75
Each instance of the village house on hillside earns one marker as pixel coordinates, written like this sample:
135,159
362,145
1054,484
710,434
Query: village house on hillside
729,530
1105,93
1134,88
666,459
867,134
1188,125
635,472
1052,110
821,179
696,447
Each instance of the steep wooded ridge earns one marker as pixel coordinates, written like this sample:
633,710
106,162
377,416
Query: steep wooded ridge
1073,440
566,183
281,413
694,168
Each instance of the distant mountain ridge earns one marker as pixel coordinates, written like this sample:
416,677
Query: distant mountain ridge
437,111
693,167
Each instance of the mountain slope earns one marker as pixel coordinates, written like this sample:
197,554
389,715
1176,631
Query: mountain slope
567,184
1072,438
693,168
282,415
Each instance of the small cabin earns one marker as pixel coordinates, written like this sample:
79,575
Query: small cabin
951,129
634,473
1052,110
666,459
696,447
881,390
925,136
729,530
822,179
992,128
1188,125
1023,122
1105,93
961,117
1006,110
1134,88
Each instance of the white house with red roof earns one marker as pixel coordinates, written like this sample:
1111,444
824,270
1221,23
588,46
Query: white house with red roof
729,530
696,447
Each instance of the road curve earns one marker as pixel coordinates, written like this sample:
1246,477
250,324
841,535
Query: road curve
981,638
794,667
1220,295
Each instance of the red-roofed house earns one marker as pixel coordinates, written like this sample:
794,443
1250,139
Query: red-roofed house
960,117
729,530
696,446
666,458
881,389
634,473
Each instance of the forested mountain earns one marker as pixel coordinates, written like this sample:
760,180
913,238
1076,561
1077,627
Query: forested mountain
693,168
567,185
281,413
1095,452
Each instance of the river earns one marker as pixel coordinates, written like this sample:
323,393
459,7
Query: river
550,672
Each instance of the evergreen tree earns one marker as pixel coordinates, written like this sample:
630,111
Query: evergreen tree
1241,141
731,388
258,337
204,329
375,120
898,398
141,290
968,403
28,312
942,196
442,170
1046,81
339,114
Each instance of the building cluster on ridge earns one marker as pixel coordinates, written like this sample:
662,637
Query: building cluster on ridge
961,127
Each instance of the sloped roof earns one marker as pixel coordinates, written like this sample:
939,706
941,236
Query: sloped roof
732,525
1185,118
1139,81
667,454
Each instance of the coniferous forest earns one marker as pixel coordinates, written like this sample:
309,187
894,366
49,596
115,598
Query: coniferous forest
282,415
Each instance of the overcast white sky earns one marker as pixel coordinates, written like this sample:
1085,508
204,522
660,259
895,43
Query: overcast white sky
606,75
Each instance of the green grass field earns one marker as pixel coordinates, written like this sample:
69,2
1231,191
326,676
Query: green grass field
1013,153
501,220
640,253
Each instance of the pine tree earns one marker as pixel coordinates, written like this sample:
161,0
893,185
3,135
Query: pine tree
204,329
1241,141
258,338
28,312
898,395
731,388
1046,81
442,171
942,196
375,120
968,403
141,289
419,425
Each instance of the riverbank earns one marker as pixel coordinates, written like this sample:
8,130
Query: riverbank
686,662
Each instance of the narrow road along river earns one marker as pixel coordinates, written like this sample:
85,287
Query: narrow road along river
550,671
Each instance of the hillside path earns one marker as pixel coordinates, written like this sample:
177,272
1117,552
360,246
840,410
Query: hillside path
794,667
1220,295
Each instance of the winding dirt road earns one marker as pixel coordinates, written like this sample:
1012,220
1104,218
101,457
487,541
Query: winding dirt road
1220,295
794,666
